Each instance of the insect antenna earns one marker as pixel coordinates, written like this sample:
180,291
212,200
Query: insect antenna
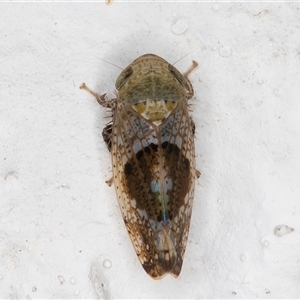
107,61
185,56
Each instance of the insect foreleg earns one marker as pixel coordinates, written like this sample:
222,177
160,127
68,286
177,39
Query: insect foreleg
101,99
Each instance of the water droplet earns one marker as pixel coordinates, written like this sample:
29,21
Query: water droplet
265,243
225,51
275,260
243,257
213,48
99,281
72,280
29,248
215,7
61,279
107,264
278,92
260,81
34,289
180,27
77,292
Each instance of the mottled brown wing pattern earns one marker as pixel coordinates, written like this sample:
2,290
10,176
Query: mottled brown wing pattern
141,155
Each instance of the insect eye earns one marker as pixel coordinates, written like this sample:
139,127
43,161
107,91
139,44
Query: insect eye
123,77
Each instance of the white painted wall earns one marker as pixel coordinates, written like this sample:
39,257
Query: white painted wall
60,226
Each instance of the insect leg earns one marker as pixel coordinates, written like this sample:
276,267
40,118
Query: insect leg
101,99
106,133
190,69
111,181
187,83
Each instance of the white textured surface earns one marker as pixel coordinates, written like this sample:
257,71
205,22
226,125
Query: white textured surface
61,232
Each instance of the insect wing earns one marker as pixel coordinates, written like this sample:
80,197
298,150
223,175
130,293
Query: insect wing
154,171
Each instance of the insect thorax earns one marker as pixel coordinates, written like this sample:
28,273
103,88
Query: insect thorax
154,95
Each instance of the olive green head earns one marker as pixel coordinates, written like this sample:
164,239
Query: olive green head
150,77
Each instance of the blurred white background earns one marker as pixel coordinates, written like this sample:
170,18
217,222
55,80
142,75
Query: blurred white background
61,232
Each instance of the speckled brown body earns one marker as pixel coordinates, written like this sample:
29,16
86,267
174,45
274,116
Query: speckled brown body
151,139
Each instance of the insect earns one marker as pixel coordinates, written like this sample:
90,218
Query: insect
151,140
